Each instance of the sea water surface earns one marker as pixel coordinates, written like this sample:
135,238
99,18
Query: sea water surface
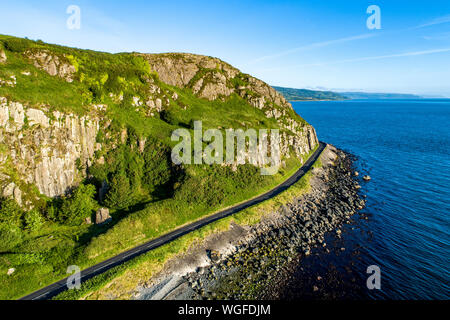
404,145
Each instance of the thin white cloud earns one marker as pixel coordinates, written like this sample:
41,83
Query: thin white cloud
439,20
439,36
314,45
436,21
397,55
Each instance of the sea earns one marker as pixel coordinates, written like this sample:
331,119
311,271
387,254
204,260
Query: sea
404,231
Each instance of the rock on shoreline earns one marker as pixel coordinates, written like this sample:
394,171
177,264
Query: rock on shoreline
247,261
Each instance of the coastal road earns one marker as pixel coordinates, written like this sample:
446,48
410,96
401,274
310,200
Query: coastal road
60,286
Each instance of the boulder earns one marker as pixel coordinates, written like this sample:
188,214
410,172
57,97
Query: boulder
367,178
102,216
213,255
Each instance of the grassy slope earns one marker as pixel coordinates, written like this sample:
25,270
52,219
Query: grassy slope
123,279
43,255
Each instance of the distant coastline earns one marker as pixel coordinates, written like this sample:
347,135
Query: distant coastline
292,94
300,95
318,100
378,96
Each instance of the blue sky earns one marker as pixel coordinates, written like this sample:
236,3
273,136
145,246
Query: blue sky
302,44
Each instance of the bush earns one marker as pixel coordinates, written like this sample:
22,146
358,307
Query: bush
119,195
130,173
17,45
33,220
53,208
9,237
79,206
11,213
157,167
205,188
170,117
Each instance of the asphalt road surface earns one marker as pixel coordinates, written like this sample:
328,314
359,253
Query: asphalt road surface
60,286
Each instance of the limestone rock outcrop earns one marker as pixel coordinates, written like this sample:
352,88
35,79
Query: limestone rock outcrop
52,150
3,57
52,64
211,78
44,148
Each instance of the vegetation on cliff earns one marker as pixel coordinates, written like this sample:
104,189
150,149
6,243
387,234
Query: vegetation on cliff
120,111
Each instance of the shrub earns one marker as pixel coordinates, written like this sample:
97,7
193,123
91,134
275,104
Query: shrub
33,220
119,195
53,209
157,167
9,237
17,45
169,117
78,206
10,224
11,213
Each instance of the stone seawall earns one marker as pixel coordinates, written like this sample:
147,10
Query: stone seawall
243,262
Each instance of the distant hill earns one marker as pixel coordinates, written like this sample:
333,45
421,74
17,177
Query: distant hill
365,95
292,94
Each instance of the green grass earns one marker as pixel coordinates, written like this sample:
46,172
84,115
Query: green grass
62,246
121,280
42,256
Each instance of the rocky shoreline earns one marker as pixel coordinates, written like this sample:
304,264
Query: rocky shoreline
255,262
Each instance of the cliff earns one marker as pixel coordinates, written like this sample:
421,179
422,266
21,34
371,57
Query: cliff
49,145
41,148
85,132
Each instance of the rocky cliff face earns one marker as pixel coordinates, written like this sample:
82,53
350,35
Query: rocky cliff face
50,150
52,64
42,148
211,78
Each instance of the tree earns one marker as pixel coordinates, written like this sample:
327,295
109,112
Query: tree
11,224
157,169
78,206
119,195
33,220
11,213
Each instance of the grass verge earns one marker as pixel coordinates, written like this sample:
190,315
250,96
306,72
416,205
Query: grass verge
121,280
